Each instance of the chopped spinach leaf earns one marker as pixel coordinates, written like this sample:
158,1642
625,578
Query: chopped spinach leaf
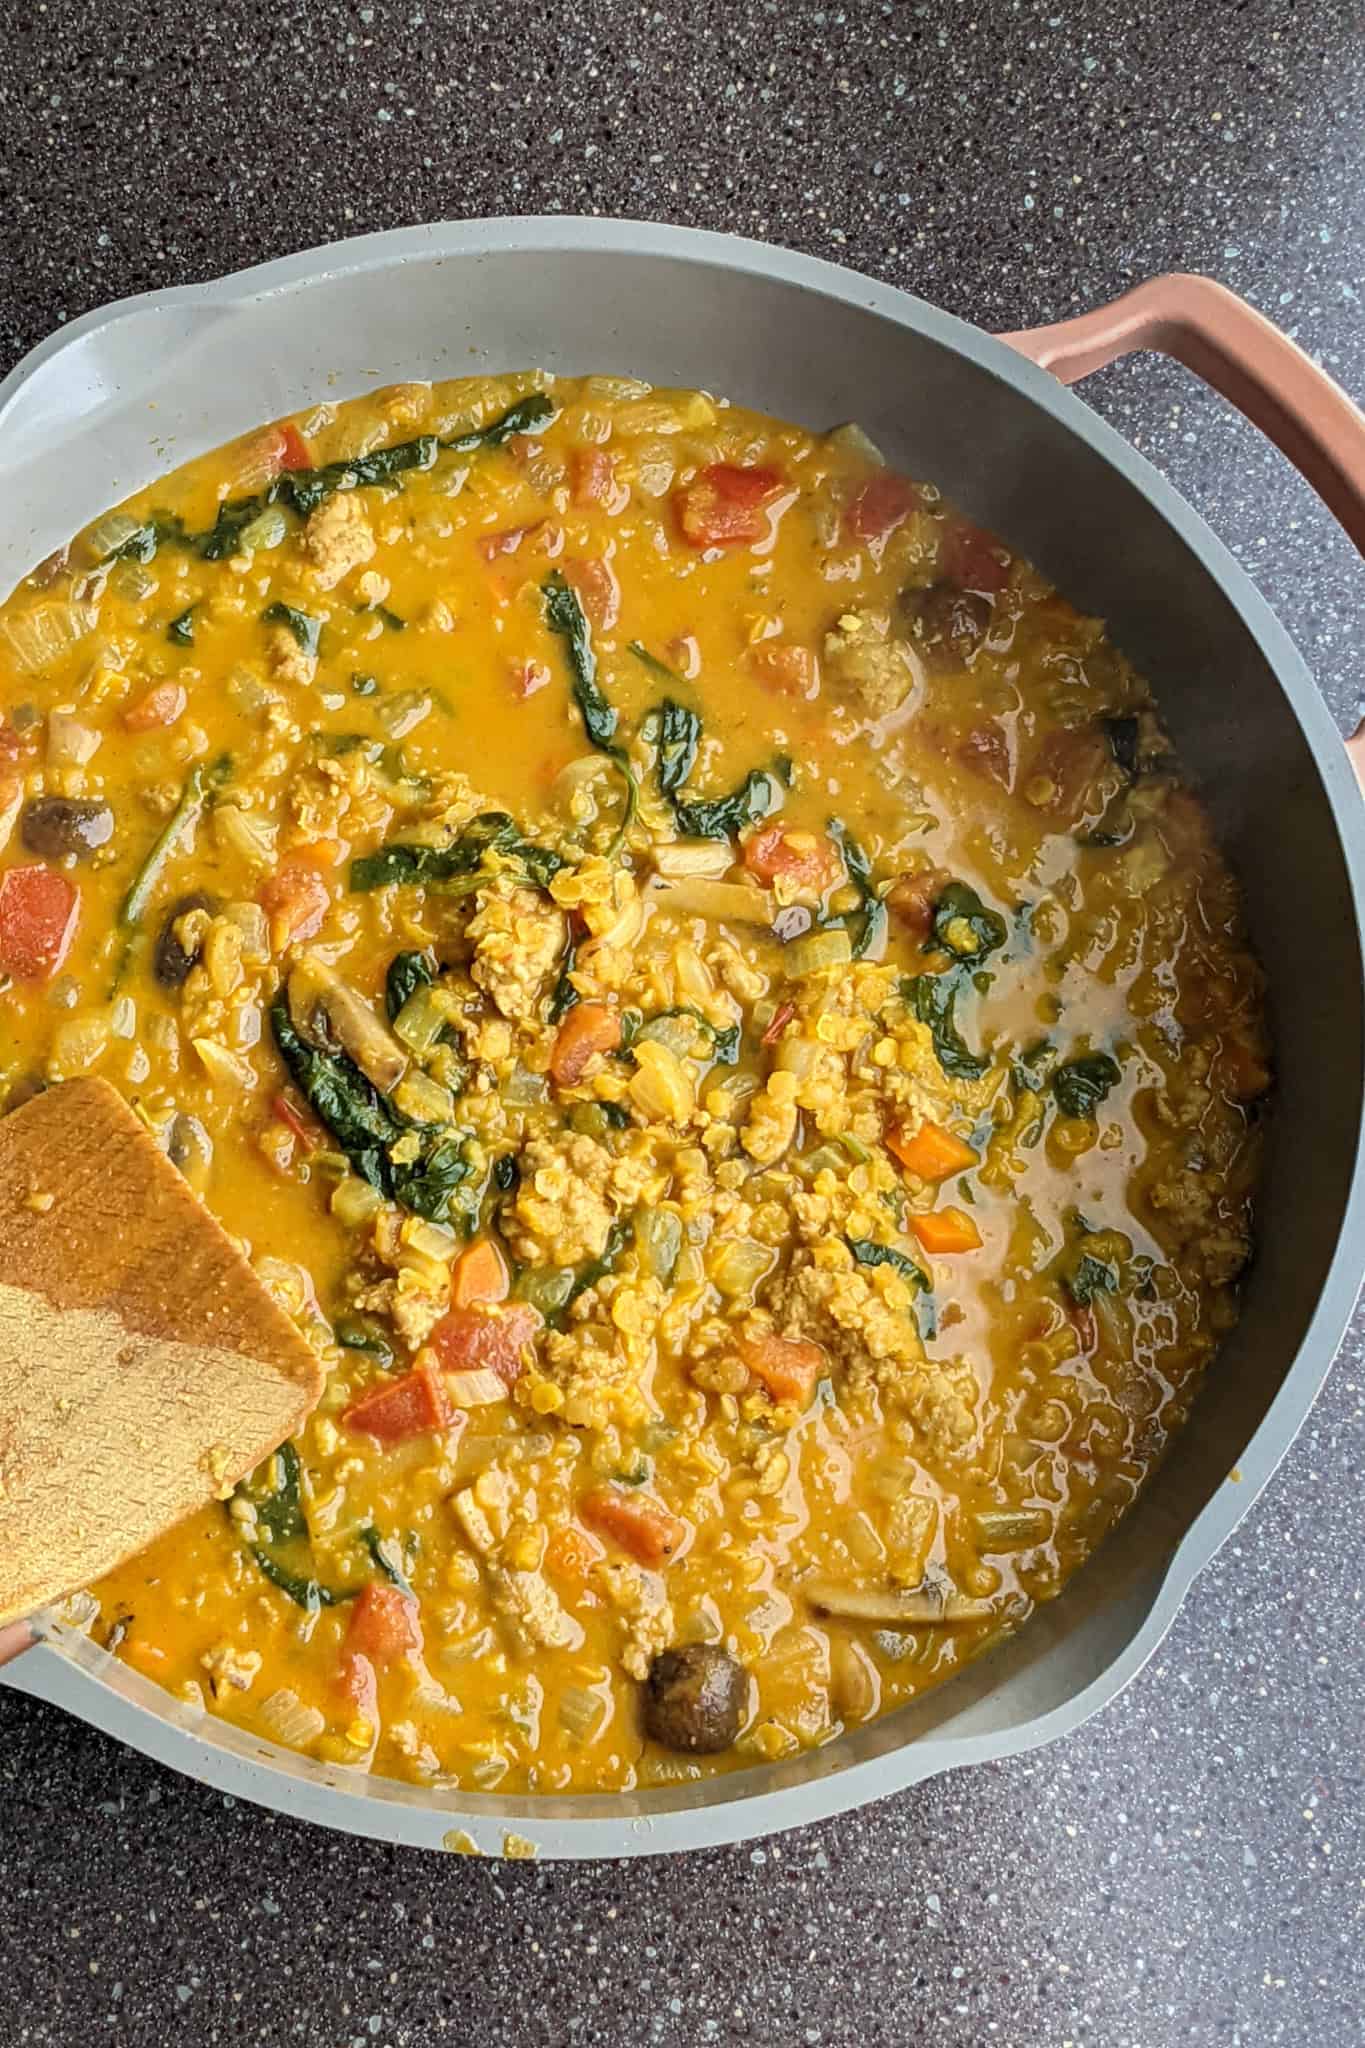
866,926
407,973
721,817
565,616
724,1039
506,1173
364,686
867,1252
963,926
201,786
161,530
1085,1276
306,489
932,998
387,1554
181,629
490,832
535,410
564,995
1122,735
224,537
362,1333
429,1184
384,616
619,1236
274,1490
679,731
1080,1085
306,631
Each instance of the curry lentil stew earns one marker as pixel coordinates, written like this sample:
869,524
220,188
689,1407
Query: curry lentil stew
694,975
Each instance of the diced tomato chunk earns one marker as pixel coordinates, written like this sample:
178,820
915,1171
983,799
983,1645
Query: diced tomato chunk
526,677
410,1406
1071,776
592,477
782,1017
507,540
725,505
884,502
801,858
648,1532
159,706
283,1110
296,900
15,744
594,579
787,1367
479,1274
971,558
475,1337
38,913
293,448
787,669
589,1029
385,1625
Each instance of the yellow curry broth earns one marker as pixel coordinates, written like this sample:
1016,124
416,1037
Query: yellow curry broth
963,1424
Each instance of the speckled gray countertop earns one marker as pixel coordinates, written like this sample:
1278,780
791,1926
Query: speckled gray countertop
1187,1869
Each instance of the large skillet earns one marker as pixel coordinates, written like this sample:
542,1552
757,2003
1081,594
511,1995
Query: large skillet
128,392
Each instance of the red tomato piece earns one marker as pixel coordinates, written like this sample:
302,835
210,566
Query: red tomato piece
592,476
526,677
725,505
38,913
800,858
789,670
782,1017
159,706
296,900
293,448
508,540
595,582
283,1110
1071,776
468,1339
410,1406
385,1625
971,558
884,502
13,744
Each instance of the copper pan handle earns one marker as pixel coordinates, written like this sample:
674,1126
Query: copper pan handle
1242,355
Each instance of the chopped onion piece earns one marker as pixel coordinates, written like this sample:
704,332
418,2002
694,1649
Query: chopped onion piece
285,1717
850,439
681,858
45,632
818,952
894,1606
721,902
477,1389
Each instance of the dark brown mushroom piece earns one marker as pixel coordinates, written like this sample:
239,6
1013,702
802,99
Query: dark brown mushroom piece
695,1698
55,826
189,1146
947,624
173,959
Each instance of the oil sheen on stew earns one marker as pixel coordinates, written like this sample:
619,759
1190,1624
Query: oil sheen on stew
694,975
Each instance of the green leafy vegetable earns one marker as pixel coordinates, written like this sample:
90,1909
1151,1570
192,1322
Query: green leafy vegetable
535,410
200,788
307,632
866,926
181,629
964,926
721,817
407,973
1080,1085
1122,735
388,1555
365,686
679,731
306,489
725,1039
368,1128
868,1252
564,995
932,998
490,832
363,1333
274,1489
1086,1276
565,616
161,530
620,1235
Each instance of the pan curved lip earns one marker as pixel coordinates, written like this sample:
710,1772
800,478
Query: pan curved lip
64,1670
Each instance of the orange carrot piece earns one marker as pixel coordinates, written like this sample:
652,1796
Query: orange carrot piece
932,1153
569,1554
159,706
648,1532
479,1274
787,1367
946,1230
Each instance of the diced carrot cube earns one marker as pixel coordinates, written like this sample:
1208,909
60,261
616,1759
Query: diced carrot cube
932,1153
787,1367
946,1230
157,707
648,1532
589,1029
479,1274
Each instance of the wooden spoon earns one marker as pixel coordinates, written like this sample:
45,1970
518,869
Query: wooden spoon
143,1367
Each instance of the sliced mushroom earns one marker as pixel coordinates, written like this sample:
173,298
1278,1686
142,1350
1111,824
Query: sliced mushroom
933,1600
326,1008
